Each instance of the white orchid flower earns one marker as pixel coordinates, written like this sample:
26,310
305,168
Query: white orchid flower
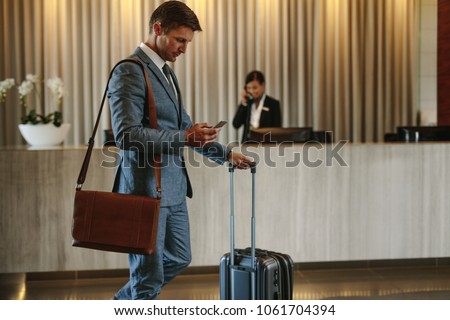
56,86
34,78
25,88
37,114
5,85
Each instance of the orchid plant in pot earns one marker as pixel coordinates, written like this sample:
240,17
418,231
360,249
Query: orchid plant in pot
39,127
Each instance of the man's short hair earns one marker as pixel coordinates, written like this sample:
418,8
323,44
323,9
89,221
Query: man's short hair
174,14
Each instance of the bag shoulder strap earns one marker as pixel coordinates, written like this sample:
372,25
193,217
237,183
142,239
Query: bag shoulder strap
150,101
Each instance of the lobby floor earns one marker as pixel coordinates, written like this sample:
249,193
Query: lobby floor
393,283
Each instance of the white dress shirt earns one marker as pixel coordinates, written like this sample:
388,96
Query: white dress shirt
256,113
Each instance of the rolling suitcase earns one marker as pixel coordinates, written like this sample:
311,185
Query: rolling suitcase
253,274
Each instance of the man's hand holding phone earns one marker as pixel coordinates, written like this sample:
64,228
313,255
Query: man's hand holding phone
220,124
202,133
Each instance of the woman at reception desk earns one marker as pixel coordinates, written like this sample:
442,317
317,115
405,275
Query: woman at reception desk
256,109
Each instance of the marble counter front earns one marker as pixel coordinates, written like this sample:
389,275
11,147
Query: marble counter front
317,203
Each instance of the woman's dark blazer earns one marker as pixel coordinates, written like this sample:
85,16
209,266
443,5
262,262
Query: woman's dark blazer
270,116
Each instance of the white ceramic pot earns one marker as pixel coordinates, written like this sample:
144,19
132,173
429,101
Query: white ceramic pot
44,134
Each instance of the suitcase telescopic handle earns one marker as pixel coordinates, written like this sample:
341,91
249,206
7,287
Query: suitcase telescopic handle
232,243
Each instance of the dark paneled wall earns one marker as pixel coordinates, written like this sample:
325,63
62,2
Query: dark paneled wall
444,62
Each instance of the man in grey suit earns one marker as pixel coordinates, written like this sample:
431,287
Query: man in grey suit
172,27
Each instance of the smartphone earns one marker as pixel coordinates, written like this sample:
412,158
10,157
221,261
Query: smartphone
220,124
248,95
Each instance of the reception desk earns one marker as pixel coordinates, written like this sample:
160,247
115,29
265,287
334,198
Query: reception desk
318,203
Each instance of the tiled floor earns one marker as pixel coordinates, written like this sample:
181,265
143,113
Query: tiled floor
430,283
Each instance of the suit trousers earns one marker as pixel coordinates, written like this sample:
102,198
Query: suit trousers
148,274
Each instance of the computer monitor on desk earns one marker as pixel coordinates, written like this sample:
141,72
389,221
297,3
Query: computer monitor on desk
417,133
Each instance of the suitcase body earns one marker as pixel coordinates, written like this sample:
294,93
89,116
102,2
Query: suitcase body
273,275
249,274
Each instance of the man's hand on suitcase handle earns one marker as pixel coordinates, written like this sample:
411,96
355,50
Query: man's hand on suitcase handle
240,161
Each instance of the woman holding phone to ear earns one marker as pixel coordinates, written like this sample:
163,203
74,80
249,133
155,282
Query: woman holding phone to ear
256,109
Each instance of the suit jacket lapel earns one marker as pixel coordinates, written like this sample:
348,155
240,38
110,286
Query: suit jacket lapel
163,80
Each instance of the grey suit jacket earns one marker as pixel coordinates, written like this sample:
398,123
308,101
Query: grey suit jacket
138,143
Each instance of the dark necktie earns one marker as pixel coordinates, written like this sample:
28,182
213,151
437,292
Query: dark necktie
166,71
